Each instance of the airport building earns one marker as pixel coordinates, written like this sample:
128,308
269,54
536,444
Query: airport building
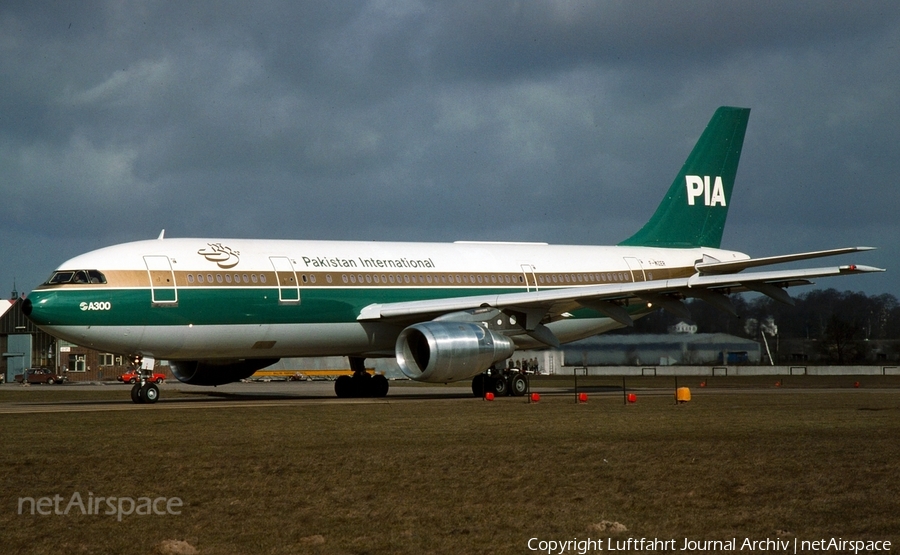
683,349
24,346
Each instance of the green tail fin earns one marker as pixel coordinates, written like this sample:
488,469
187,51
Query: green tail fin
693,212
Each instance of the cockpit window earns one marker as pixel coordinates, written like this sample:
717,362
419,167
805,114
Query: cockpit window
60,277
76,276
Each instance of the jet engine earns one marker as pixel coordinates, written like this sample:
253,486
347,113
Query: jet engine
212,372
443,352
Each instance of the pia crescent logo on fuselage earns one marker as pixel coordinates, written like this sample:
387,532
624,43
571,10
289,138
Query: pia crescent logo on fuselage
224,256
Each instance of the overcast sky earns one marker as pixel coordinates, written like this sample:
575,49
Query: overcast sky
536,120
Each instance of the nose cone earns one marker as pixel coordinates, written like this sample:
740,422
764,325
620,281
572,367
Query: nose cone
40,308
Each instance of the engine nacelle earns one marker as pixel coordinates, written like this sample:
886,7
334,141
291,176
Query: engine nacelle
443,352
211,372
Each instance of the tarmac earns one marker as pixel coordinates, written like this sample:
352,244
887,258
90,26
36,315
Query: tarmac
286,393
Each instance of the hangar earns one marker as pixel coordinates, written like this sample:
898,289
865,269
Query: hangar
663,350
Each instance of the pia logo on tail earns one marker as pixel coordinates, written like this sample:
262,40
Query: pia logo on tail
699,186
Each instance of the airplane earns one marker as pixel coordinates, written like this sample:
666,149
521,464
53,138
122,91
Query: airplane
220,309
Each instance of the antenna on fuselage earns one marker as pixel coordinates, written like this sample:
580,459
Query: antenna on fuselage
162,235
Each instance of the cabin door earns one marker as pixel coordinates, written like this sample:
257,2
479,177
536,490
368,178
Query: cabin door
163,291
636,268
530,279
288,287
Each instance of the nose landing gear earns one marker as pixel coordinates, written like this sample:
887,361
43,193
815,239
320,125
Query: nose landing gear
144,391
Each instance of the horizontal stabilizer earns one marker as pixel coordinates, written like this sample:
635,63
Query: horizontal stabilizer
730,267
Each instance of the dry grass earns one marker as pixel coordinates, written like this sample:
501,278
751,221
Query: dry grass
461,476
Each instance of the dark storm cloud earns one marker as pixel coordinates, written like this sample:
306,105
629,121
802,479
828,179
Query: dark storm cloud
555,121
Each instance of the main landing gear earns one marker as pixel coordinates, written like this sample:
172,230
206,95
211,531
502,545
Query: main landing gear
361,383
500,382
143,391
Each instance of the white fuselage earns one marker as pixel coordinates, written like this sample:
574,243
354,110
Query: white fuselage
231,298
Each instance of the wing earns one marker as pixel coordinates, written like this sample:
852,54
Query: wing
610,300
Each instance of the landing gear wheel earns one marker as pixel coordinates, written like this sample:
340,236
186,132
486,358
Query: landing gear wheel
498,386
343,386
149,393
379,386
362,385
478,385
136,393
518,385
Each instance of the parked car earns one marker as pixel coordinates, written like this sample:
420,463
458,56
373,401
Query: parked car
134,377
40,375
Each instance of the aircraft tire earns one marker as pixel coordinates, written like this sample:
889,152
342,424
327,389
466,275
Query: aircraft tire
343,386
517,385
379,386
149,393
499,386
362,385
136,393
479,383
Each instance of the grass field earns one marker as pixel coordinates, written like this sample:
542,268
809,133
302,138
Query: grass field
460,475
